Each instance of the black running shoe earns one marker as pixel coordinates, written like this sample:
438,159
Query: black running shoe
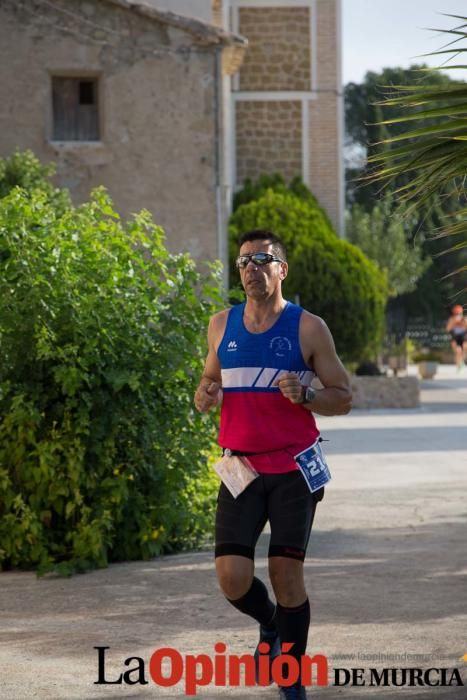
293,692
271,637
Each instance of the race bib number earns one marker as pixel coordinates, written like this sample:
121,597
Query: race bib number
313,466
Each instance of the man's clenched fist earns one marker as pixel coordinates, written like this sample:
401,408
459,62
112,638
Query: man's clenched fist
207,395
289,384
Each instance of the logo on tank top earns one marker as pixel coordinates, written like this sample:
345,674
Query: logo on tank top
232,346
280,346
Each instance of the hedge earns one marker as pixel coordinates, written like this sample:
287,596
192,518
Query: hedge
102,330
330,277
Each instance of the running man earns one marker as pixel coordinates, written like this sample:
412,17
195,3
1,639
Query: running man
262,356
457,328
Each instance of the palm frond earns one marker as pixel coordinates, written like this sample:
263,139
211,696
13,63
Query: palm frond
431,158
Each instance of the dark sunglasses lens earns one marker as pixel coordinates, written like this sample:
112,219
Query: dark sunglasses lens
256,259
261,258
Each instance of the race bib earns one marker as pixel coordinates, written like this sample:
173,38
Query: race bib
312,464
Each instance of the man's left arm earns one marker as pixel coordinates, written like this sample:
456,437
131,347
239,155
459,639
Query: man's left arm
335,398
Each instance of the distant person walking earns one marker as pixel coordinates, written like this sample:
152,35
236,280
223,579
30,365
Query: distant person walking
457,328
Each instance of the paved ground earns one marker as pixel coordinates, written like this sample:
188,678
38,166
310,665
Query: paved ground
386,575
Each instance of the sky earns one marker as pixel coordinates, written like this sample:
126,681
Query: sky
390,33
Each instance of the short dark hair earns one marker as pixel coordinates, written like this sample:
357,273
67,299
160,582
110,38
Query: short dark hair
262,235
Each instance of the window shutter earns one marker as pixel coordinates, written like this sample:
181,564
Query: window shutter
75,109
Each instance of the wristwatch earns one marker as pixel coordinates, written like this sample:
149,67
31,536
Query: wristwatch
308,395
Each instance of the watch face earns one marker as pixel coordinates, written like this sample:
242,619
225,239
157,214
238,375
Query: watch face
310,394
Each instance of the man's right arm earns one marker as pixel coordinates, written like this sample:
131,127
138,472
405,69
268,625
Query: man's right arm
208,393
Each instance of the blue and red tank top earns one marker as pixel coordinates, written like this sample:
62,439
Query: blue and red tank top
255,417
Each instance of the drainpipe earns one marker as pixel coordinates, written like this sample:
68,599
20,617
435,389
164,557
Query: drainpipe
219,168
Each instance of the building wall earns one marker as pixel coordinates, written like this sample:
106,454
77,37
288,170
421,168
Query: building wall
279,48
290,84
260,127
152,152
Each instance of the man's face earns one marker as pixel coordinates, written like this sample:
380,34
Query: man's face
261,281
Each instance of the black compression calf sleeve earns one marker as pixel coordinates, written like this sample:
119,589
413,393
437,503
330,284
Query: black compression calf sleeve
257,604
293,625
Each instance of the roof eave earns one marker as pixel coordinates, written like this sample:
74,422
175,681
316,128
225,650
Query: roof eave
204,34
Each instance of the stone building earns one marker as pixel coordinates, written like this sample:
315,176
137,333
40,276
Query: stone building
283,109
287,110
158,107
122,94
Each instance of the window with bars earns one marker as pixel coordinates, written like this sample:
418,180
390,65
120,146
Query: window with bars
75,109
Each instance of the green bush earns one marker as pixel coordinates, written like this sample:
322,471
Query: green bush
331,277
253,190
336,281
102,455
383,235
430,356
293,219
23,169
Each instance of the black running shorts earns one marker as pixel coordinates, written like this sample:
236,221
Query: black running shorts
283,499
459,339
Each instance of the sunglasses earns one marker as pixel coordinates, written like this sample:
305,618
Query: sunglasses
258,259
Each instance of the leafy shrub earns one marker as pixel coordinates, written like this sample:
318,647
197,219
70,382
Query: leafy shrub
429,356
384,236
102,455
254,190
335,280
23,169
331,277
293,219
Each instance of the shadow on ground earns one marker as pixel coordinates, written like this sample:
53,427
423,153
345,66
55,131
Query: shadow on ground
133,604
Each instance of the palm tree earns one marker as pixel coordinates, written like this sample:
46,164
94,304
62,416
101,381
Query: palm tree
433,156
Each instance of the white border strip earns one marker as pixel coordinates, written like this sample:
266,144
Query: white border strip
272,3
235,30
258,377
314,45
340,125
291,96
305,142
233,142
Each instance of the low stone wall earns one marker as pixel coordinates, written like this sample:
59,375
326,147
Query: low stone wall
385,392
